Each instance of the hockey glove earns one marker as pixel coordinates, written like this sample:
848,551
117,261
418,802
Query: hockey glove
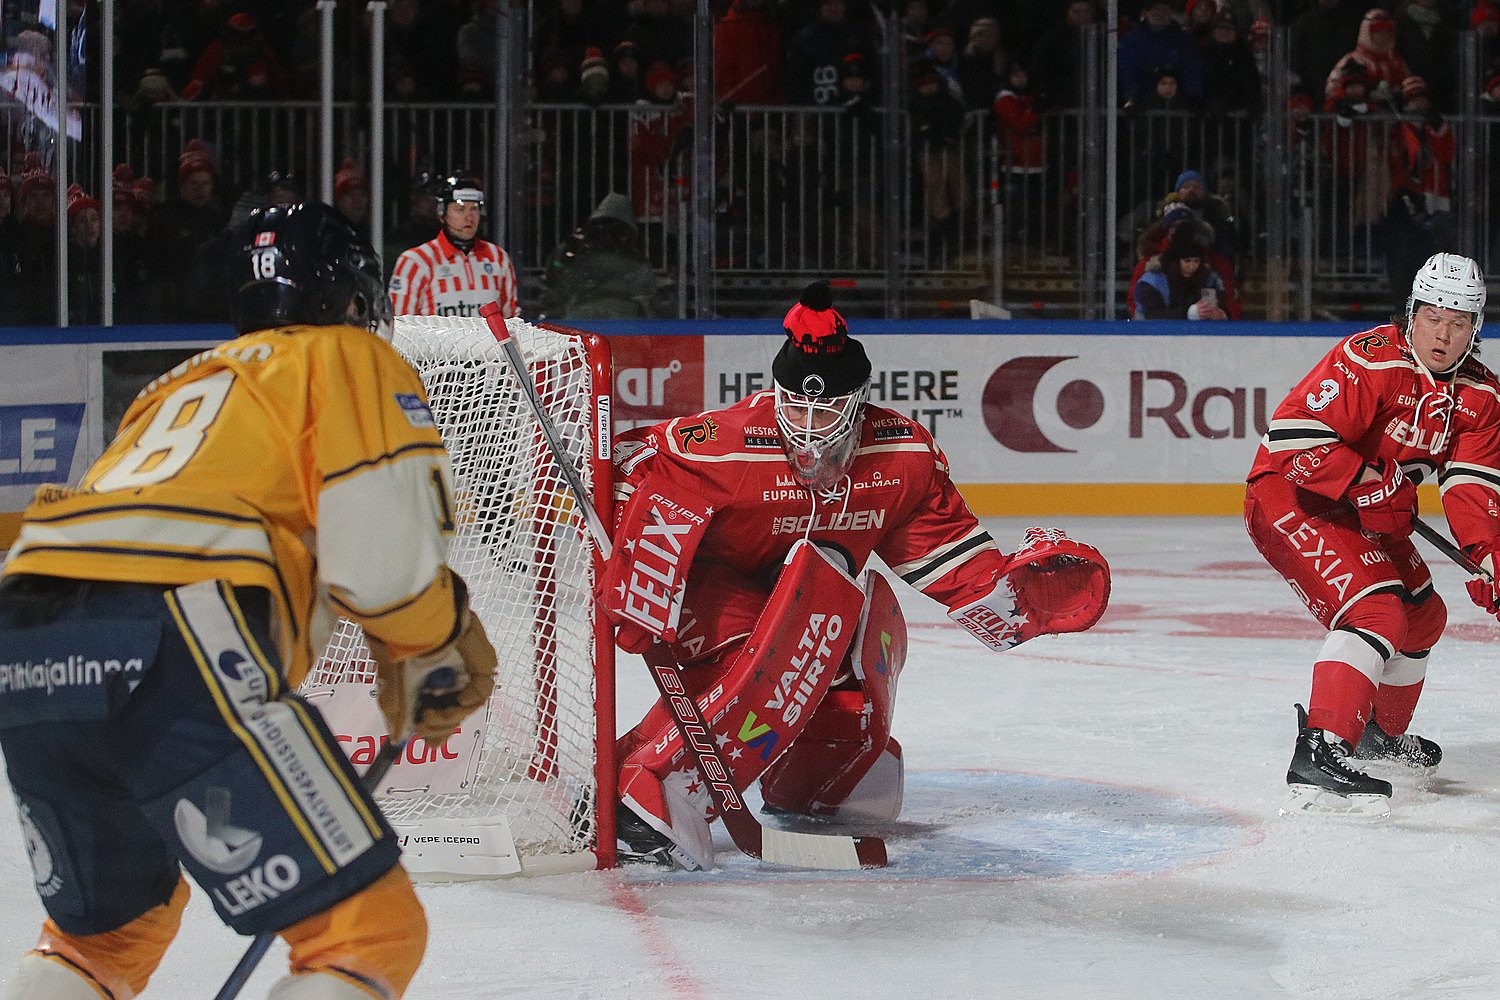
1484,591
1051,585
1385,505
430,695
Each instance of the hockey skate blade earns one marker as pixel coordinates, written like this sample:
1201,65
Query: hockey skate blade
821,852
1303,799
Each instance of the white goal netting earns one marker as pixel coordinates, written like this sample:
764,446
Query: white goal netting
521,545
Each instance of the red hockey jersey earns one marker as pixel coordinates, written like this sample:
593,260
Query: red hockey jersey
1368,399
900,503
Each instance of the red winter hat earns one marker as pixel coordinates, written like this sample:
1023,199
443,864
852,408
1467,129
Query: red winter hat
349,178
1413,86
145,194
1260,29
660,73
78,200
194,159
36,180
819,357
1379,19
122,191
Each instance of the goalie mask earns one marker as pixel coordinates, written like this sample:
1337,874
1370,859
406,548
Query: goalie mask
306,264
822,378
1450,281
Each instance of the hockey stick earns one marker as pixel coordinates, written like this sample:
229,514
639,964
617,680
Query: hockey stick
1442,544
384,758
773,846
491,313
778,847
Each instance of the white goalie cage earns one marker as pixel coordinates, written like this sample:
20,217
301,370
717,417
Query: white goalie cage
545,755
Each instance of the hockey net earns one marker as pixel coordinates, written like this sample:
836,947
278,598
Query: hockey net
542,760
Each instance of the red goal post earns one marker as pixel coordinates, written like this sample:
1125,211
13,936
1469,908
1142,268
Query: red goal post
535,775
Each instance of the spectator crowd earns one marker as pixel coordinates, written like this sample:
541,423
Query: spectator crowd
1014,61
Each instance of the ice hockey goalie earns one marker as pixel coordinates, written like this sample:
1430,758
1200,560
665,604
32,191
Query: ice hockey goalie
793,660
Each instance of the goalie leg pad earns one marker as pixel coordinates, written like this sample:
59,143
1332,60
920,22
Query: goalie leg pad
758,697
832,764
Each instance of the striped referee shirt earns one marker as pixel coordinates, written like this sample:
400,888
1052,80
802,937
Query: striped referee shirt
436,278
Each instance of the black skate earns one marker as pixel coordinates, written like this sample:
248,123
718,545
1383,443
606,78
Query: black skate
637,843
1379,747
1320,779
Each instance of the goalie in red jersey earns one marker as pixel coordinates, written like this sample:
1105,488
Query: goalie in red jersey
1330,504
739,536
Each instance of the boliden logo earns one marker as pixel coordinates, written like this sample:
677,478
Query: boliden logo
37,442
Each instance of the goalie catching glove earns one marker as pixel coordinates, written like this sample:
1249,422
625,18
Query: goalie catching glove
429,696
1051,585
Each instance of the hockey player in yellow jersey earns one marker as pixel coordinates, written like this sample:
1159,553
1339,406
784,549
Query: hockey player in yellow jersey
155,620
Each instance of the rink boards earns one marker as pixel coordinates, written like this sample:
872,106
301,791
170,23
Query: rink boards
1036,417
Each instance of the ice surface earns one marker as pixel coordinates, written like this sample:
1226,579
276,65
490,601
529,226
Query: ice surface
1089,816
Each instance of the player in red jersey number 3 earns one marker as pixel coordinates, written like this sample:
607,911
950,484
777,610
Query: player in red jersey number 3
739,536
1330,503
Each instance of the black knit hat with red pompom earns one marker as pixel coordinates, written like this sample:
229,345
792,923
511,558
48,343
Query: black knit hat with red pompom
819,358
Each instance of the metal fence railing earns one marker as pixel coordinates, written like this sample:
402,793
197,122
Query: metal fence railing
801,192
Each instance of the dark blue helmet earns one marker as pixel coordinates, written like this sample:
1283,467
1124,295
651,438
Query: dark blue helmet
306,264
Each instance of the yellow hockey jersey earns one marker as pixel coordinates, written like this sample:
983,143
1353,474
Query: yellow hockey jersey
303,460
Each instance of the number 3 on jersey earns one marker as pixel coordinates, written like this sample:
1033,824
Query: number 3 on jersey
173,436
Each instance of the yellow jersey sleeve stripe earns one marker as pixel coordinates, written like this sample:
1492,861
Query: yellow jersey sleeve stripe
390,456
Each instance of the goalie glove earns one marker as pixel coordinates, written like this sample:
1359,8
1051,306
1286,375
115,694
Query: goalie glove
1051,585
1483,591
1385,505
429,696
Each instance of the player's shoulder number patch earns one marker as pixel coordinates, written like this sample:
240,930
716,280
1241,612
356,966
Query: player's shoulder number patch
1328,392
417,413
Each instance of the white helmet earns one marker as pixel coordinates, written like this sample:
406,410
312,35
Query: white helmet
1453,282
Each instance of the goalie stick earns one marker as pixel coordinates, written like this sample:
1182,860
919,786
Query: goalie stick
777,847
385,757
1442,544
